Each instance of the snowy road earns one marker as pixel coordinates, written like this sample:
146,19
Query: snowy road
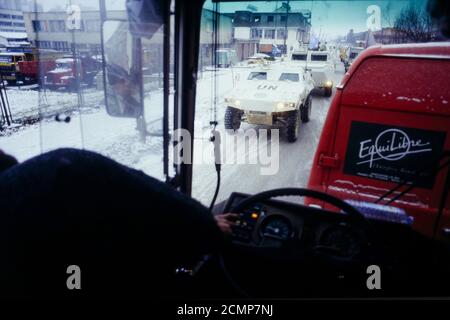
295,160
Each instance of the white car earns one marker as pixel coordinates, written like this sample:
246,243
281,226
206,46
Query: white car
322,66
278,96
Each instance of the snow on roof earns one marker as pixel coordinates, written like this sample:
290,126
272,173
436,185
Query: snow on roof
13,35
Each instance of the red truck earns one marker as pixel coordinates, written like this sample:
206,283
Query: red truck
64,74
37,64
386,139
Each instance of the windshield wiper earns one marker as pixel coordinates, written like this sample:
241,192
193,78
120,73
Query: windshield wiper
433,170
415,181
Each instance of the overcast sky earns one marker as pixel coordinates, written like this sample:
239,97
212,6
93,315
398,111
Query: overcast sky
334,17
331,18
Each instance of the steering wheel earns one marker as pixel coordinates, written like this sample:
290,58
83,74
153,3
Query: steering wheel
354,216
302,192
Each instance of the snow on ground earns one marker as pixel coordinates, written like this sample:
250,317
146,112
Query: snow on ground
29,103
93,129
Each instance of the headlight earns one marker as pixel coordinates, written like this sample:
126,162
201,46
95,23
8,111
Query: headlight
282,106
328,84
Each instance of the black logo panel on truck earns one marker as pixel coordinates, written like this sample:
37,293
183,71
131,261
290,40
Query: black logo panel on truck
392,153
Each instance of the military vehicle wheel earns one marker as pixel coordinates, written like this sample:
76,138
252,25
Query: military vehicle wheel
232,118
306,110
293,126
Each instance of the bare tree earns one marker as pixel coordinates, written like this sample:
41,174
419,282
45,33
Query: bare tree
414,25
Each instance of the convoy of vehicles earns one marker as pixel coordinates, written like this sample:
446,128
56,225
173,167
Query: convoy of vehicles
274,96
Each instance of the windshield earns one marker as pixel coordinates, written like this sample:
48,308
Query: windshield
6,59
257,76
300,57
260,150
47,111
63,65
318,57
290,77
270,131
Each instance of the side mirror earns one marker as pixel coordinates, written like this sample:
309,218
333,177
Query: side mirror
122,70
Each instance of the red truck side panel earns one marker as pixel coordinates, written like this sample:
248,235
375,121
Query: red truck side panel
401,98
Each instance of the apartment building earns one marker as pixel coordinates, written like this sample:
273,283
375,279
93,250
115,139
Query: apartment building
11,16
48,30
285,29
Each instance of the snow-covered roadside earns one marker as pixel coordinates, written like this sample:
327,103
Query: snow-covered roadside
92,128
27,103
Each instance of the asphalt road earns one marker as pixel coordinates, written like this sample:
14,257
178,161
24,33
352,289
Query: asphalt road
295,160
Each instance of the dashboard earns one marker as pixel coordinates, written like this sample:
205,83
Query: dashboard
309,250
279,224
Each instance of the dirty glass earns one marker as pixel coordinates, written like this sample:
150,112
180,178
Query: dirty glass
57,98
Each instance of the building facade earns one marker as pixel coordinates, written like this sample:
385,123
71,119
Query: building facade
281,28
48,30
11,16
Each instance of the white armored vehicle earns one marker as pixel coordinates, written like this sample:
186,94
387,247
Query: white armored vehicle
278,96
353,52
321,64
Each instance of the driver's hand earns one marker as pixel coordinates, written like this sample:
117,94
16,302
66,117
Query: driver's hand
226,221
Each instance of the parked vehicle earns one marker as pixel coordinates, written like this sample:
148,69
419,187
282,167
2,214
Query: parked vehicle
69,73
276,97
383,141
33,70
